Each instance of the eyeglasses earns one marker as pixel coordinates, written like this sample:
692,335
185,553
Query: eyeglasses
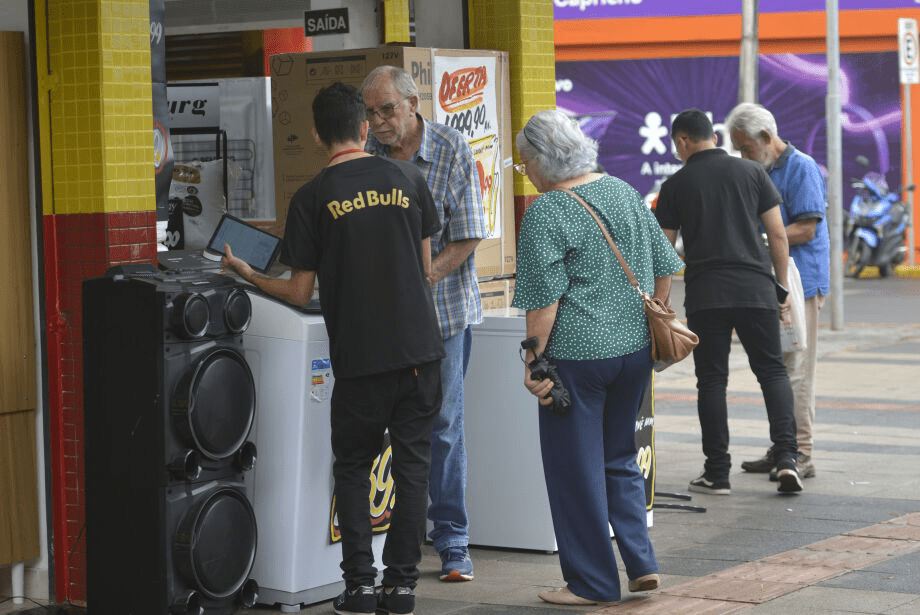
520,168
384,111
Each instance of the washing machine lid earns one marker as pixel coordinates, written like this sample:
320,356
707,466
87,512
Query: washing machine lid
274,318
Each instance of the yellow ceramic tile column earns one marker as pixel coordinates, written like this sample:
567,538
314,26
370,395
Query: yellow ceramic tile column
98,200
100,106
523,28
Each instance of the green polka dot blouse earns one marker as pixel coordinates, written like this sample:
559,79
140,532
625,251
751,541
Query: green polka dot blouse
562,255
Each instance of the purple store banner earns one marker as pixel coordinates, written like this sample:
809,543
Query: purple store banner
604,9
628,106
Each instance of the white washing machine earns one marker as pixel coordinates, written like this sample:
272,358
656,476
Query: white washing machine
506,497
291,485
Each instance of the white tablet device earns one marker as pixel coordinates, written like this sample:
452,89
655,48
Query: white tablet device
249,243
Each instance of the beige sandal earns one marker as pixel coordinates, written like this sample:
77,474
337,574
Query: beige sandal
645,583
564,596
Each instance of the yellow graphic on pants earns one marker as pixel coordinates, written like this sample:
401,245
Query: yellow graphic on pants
382,497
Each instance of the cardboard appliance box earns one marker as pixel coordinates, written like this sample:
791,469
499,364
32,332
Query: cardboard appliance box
466,89
496,294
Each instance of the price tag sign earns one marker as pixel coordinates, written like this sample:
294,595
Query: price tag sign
908,53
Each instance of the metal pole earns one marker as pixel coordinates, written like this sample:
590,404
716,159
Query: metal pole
747,65
834,166
911,246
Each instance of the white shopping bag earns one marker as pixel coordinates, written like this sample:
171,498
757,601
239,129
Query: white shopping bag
793,335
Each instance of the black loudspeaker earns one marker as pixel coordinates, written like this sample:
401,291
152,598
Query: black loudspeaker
169,402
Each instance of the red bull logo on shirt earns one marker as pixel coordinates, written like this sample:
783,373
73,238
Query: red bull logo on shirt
369,198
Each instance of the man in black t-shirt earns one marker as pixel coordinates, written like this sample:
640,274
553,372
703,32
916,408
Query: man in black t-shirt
363,226
719,202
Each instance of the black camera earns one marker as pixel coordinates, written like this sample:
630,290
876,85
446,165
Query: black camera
542,368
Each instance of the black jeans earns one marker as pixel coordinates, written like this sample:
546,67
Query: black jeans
758,330
406,402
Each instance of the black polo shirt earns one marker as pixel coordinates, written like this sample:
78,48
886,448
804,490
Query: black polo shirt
716,201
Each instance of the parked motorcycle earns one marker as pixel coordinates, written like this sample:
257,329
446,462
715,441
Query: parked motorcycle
876,231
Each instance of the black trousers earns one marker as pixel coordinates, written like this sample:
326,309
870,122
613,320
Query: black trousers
405,402
758,330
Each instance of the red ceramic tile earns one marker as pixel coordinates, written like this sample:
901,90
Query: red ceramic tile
119,254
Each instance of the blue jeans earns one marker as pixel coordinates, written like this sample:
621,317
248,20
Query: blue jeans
592,477
758,331
447,482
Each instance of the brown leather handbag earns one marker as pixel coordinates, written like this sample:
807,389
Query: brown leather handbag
672,341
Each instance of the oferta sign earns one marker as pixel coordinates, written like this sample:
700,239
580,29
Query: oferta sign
606,9
465,94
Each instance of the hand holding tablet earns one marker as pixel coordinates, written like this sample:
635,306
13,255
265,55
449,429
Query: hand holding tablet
256,247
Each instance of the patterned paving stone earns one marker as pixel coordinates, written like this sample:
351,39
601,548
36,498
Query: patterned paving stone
780,573
734,590
662,604
841,560
861,544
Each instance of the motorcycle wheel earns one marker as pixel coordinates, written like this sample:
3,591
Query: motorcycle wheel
860,254
885,270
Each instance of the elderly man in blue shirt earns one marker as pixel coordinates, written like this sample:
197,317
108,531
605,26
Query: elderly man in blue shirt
800,182
446,160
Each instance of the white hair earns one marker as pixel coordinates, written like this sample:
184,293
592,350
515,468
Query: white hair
752,119
400,78
555,143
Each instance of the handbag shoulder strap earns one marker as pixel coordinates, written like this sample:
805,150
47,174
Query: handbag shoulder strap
613,246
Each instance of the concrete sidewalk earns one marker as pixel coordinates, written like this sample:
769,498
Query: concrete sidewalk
850,543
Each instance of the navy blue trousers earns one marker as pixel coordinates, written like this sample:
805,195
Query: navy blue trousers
592,477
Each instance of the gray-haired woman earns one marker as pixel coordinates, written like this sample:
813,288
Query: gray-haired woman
590,322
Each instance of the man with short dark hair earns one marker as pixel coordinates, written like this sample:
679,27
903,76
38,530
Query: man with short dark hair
718,203
363,224
445,158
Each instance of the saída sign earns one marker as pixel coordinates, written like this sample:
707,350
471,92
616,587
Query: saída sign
327,21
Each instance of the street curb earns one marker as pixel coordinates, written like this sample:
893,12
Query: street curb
901,271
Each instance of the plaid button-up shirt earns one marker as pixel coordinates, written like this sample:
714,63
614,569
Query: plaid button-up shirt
446,160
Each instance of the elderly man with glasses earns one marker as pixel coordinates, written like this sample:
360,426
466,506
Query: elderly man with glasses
446,160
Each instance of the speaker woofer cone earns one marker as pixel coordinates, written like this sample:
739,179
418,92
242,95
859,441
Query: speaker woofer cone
237,311
215,545
213,406
191,315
